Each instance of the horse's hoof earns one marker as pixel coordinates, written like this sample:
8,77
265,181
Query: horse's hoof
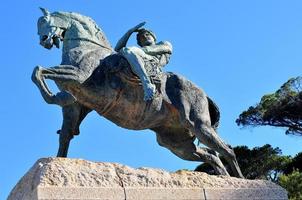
36,74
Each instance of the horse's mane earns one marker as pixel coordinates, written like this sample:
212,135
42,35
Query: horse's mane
88,24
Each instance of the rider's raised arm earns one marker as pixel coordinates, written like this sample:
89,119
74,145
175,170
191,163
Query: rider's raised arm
159,48
123,41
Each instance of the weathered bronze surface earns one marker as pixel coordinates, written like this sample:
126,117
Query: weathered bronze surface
92,76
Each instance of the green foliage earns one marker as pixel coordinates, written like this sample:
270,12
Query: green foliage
261,162
281,109
295,164
293,184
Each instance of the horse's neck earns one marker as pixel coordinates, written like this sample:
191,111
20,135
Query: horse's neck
79,48
75,37
75,49
70,44
77,40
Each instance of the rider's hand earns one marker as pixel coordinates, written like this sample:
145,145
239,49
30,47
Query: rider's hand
146,49
137,27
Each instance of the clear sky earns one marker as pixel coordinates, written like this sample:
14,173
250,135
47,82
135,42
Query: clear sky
237,51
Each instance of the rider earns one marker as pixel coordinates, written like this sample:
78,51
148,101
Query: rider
150,53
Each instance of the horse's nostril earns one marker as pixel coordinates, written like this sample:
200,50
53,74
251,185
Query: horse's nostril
44,37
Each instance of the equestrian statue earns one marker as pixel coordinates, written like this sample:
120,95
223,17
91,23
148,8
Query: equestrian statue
127,86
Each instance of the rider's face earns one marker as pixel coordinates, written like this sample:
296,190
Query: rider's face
146,39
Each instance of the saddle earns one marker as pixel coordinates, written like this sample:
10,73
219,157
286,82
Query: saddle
118,65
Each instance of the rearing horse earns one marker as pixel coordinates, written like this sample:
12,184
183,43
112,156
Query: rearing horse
92,76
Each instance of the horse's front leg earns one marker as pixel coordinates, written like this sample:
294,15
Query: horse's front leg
62,98
73,112
72,118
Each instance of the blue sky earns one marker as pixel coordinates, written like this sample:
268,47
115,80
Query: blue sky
237,51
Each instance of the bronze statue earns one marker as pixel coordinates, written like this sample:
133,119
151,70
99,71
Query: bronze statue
92,76
156,55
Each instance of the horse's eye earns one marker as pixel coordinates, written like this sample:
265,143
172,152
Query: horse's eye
42,21
45,19
44,37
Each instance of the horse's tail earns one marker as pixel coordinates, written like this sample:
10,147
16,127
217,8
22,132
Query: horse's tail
214,113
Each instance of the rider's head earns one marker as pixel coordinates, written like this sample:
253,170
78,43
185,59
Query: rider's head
145,37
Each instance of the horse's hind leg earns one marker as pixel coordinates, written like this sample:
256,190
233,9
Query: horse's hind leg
187,150
208,136
72,117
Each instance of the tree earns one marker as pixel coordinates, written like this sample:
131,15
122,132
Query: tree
295,164
280,109
293,184
263,162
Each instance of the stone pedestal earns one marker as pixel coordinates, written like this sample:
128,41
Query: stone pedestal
63,178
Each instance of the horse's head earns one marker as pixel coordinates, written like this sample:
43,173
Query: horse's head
51,29
64,26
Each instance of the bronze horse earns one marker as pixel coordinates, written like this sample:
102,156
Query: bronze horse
92,76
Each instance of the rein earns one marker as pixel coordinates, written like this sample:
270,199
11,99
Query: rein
88,40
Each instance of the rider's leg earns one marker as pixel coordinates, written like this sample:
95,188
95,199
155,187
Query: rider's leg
132,55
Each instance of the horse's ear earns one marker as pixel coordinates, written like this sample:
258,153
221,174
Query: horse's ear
44,11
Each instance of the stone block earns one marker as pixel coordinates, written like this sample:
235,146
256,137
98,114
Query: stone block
76,179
